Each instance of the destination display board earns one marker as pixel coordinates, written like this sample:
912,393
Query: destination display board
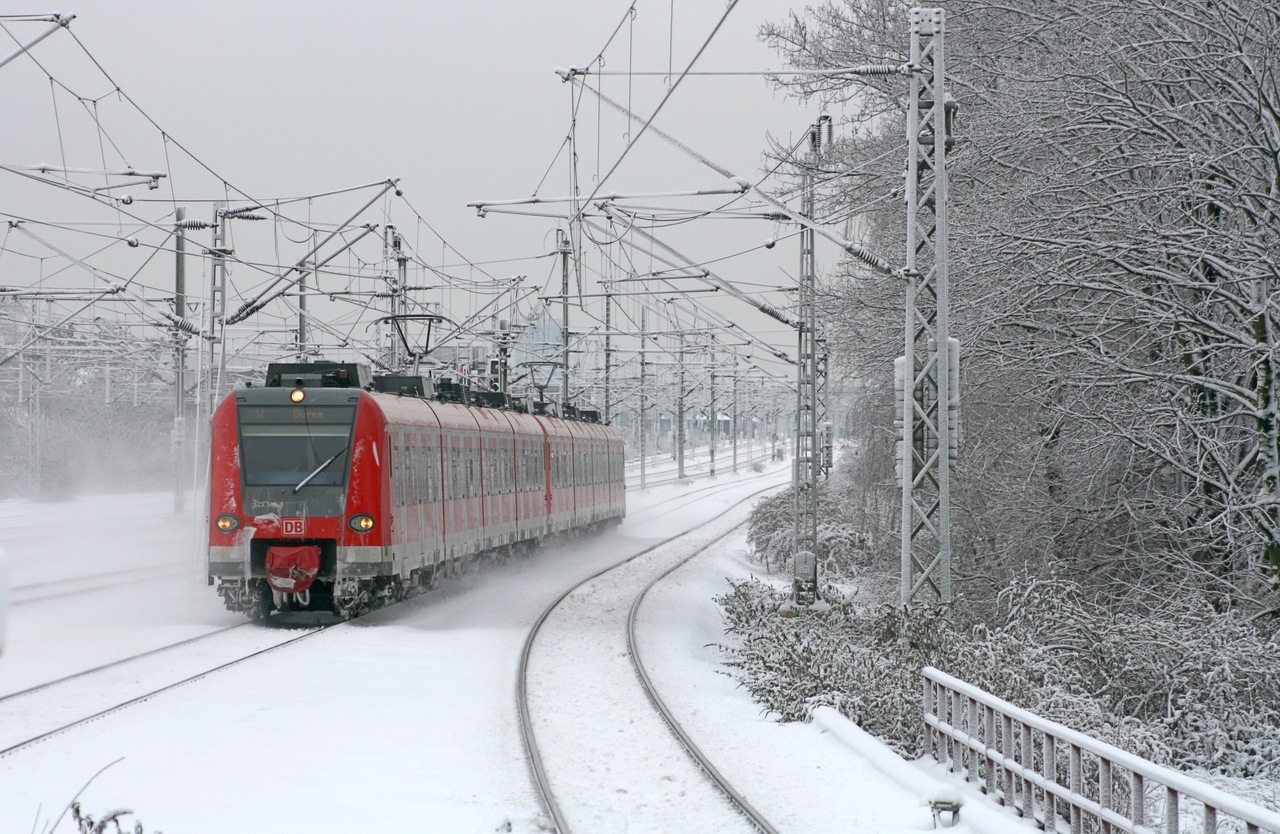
304,413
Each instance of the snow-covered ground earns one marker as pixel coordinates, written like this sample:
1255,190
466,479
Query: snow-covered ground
405,719
697,462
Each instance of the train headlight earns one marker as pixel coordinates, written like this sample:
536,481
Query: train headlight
361,523
297,395
227,523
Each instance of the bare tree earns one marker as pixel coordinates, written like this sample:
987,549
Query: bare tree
1115,251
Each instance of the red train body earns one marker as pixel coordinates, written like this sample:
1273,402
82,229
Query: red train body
342,499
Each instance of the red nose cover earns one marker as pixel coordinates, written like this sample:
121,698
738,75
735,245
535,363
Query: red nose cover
292,569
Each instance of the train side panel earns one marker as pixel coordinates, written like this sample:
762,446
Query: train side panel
412,434
530,500
559,463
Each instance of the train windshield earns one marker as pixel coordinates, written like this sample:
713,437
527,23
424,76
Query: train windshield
280,445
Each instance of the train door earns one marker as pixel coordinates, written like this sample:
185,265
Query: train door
438,493
597,476
456,493
413,514
396,491
470,488
434,510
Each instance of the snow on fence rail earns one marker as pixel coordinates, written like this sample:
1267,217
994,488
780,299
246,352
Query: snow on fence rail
992,743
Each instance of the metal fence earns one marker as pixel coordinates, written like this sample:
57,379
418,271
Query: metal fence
1064,780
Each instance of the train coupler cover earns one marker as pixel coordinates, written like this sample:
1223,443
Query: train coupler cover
292,569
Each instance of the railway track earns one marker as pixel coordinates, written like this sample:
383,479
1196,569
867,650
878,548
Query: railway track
53,725
667,476
60,707
122,661
535,752
739,801
72,586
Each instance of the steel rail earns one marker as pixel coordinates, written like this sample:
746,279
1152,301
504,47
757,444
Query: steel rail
522,679
150,574
148,696
633,480
119,662
703,762
682,496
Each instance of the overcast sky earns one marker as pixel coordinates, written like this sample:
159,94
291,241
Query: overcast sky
459,100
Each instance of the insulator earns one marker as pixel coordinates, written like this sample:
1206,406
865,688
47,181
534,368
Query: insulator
182,324
773,312
241,212
872,69
192,224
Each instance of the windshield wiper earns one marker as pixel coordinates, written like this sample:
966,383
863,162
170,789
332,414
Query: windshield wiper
319,469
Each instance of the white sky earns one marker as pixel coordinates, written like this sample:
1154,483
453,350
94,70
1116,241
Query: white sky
459,100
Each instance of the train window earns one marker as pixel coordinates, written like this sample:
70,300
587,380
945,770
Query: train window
451,473
433,469
471,473
395,473
414,466
410,471
281,445
420,468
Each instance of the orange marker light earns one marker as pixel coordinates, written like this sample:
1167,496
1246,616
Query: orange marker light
297,395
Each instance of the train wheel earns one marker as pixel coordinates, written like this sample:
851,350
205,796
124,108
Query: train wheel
260,606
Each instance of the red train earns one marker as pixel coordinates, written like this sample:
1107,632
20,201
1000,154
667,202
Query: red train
326,494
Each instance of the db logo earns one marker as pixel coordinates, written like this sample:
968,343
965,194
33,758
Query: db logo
292,526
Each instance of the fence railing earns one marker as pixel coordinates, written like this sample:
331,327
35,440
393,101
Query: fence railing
1067,781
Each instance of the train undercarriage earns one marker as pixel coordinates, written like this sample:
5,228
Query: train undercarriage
348,597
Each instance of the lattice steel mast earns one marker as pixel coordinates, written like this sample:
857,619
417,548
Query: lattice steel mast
930,361
804,593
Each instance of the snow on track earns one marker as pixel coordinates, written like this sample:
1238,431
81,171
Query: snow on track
87,589
403,719
33,714
796,775
613,763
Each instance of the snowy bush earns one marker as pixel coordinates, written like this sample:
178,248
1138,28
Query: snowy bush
842,547
86,824
1179,683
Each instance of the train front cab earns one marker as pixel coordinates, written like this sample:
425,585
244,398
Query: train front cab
287,474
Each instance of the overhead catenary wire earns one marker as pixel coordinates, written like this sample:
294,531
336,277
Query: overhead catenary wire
857,250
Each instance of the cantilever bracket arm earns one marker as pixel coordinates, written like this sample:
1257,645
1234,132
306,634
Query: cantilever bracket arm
429,318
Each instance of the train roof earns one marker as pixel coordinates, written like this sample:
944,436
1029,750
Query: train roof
417,411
